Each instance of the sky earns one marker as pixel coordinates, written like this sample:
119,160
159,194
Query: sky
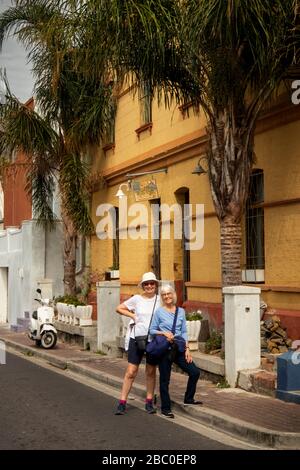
13,59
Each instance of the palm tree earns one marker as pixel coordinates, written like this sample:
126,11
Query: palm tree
74,112
229,56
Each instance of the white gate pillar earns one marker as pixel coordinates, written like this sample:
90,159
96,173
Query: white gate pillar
242,330
108,321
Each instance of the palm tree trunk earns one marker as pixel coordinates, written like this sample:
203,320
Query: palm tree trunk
230,161
70,237
231,251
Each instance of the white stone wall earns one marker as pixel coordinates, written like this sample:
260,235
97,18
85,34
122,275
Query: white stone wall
30,256
1,207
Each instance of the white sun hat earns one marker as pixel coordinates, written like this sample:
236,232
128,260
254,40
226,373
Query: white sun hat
148,277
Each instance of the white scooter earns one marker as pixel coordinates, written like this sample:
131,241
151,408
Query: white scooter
42,330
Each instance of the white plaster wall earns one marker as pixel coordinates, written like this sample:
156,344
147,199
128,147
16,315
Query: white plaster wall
3,295
1,207
242,330
26,258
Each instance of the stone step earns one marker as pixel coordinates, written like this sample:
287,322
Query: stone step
209,363
258,381
269,361
23,322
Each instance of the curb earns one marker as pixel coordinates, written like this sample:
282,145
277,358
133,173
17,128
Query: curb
211,418
244,431
30,351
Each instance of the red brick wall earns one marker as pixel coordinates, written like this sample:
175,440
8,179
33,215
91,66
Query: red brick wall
17,204
289,319
213,312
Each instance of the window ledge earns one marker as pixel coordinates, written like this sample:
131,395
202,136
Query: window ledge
253,275
145,127
184,108
108,147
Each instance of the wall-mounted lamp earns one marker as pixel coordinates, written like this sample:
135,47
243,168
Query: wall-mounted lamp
120,193
199,170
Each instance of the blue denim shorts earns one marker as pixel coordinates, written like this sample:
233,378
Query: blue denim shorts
135,356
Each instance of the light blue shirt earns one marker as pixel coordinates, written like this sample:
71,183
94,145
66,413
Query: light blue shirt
163,321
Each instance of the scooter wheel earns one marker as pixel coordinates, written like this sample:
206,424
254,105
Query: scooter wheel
48,340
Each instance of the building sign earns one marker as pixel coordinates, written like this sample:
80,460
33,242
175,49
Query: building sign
145,190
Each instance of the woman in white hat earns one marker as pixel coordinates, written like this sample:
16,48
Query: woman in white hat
140,308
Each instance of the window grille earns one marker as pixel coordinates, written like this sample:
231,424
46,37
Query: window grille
255,252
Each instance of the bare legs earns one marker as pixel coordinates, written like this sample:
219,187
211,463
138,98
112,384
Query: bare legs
130,375
150,380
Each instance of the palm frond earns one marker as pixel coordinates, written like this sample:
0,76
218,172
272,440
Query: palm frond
25,130
72,183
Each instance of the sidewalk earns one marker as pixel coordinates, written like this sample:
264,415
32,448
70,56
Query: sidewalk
254,418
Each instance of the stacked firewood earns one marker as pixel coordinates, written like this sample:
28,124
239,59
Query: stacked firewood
274,338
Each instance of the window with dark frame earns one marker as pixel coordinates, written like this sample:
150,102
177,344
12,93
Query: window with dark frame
255,249
116,241
145,99
109,138
156,257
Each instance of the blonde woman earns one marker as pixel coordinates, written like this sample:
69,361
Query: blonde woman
162,324
140,308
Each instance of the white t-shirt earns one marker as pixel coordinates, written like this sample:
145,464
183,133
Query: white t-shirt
143,308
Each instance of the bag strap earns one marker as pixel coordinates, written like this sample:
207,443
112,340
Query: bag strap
152,314
174,321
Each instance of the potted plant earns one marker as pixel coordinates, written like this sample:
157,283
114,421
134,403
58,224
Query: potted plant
114,272
193,325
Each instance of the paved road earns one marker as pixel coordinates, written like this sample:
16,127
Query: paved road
41,409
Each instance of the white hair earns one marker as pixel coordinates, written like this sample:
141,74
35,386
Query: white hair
165,289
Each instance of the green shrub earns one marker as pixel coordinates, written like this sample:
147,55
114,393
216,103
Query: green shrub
213,342
223,383
68,299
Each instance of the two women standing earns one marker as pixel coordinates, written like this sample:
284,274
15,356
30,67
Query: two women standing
159,311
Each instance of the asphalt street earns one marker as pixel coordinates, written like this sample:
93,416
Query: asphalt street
41,409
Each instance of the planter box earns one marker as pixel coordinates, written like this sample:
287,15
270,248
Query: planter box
80,315
115,274
193,332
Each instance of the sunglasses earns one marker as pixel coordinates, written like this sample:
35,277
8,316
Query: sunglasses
149,283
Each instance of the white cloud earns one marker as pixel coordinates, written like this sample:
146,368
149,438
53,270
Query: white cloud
13,59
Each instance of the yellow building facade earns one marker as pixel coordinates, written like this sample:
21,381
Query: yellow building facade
167,147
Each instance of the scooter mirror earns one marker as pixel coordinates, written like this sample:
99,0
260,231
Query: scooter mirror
39,291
